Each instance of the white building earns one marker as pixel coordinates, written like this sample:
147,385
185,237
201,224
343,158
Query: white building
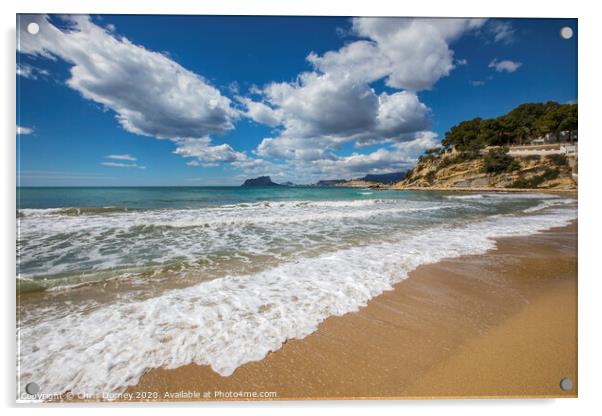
564,136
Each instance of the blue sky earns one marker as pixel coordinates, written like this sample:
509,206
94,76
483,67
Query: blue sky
209,100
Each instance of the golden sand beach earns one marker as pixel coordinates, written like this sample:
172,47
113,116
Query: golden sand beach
502,324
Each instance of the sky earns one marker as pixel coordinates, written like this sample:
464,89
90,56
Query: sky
125,100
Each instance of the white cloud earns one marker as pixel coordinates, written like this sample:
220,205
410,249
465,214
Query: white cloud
207,154
25,71
416,50
411,53
505,65
400,157
335,103
234,87
358,164
30,71
122,165
21,131
321,112
261,113
295,148
122,157
502,31
416,147
399,114
331,105
323,105
477,83
151,94
360,61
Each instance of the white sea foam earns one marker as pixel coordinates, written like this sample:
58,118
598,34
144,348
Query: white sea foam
548,203
59,241
463,197
230,321
217,210
503,195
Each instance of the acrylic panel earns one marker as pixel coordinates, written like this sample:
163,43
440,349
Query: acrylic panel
287,207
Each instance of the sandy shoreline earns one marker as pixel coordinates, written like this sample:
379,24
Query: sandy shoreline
500,324
572,192
385,187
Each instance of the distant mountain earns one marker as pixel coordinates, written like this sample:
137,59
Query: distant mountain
385,177
368,180
260,181
331,182
287,184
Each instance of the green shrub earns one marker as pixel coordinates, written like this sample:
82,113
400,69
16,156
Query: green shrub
498,160
535,181
533,157
426,158
445,162
558,160
550,174
467,155
514,165
520,183
434,151
430,177
527,183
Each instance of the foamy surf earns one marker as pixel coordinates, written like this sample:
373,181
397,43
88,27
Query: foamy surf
66,242
503,195
547,204
230,321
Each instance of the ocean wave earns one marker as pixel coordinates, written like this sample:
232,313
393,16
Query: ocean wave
549,203
263,212
95,211
51,243
68,281
503,195
70,211
233,320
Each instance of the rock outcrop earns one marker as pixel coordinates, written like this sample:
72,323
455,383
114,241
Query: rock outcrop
531,172
260,181
368,181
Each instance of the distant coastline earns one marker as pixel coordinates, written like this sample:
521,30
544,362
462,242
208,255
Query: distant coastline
367,181
532,148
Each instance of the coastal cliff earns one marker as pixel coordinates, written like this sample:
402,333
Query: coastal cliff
383,180
493,170
534,146
360,183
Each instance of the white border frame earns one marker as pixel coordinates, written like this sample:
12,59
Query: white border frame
590,288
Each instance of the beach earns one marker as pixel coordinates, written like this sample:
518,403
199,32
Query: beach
294,293
499,324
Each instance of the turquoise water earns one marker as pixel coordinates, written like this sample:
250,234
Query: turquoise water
68,236
186,197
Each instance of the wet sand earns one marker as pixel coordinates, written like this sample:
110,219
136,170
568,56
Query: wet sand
501,324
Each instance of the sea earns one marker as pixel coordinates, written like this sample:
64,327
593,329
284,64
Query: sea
112,282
